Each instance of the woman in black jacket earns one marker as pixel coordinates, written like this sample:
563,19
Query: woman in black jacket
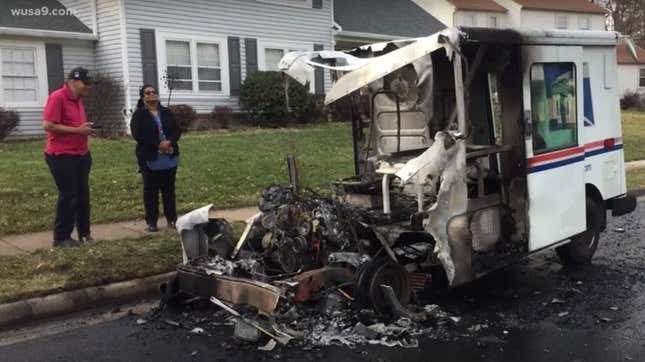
155,129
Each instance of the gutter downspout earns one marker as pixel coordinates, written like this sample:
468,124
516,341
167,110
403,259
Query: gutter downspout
127,111
95,29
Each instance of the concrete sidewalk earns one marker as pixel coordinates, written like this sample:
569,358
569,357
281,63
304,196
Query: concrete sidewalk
634,165
26,243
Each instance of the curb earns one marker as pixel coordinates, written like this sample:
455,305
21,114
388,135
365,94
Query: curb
73,301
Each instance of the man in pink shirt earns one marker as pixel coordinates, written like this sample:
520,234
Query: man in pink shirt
68,157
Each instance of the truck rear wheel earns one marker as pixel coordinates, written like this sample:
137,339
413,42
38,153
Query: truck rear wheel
582,247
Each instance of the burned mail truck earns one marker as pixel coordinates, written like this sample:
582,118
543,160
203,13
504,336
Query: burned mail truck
489,145
473,148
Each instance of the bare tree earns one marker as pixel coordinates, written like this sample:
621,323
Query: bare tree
171,78
626,17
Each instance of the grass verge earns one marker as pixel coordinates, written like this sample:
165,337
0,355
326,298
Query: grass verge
636,179
57,270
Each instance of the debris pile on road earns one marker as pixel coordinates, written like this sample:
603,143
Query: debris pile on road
310,269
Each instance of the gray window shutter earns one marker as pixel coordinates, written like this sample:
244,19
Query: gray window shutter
55,71
149,57
251,47
234,65
319,74
317,4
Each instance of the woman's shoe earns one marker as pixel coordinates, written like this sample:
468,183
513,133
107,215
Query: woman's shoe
152,228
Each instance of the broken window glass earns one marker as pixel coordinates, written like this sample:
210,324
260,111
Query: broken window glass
553,106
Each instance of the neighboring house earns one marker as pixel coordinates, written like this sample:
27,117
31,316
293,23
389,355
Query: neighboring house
359,22
631,72
476,13
554,14
212,45
536,14
36,52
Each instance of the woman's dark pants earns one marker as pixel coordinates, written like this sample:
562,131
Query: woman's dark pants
154,182
72,177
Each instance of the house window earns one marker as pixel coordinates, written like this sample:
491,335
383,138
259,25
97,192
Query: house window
492,21
179,66
209,70
553,106
272,57
641,83
561,22
469,20
19,79
194,64
584,22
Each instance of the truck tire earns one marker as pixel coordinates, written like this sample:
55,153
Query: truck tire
582,247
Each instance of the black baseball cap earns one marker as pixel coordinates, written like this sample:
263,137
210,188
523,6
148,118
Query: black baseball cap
82,74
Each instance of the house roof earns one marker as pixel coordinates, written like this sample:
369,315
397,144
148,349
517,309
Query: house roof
65,23
623,55
385,17
478,5
578,6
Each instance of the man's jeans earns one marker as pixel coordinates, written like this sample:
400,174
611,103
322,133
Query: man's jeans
71,174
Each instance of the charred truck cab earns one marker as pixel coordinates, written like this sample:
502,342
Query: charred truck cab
483,146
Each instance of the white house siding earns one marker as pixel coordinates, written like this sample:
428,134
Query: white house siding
82,10
546,19
268,22
629,78
482,18
109,55
514,14
75,53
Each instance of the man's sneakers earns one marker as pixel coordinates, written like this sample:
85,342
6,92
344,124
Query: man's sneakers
152,228
87,239
66,243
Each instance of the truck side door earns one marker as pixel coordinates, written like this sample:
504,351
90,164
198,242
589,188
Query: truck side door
553,113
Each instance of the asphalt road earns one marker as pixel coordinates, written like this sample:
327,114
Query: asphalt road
535,311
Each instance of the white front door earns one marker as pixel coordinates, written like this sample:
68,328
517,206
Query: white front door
553,111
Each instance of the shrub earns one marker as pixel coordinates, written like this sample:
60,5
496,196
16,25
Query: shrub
631,100
8,122
99,105
263,96
184,114
222,116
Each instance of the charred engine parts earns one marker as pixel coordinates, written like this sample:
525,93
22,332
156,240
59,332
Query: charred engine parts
296,233
298,249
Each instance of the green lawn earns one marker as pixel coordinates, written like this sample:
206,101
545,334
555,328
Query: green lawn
228,170
634,135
